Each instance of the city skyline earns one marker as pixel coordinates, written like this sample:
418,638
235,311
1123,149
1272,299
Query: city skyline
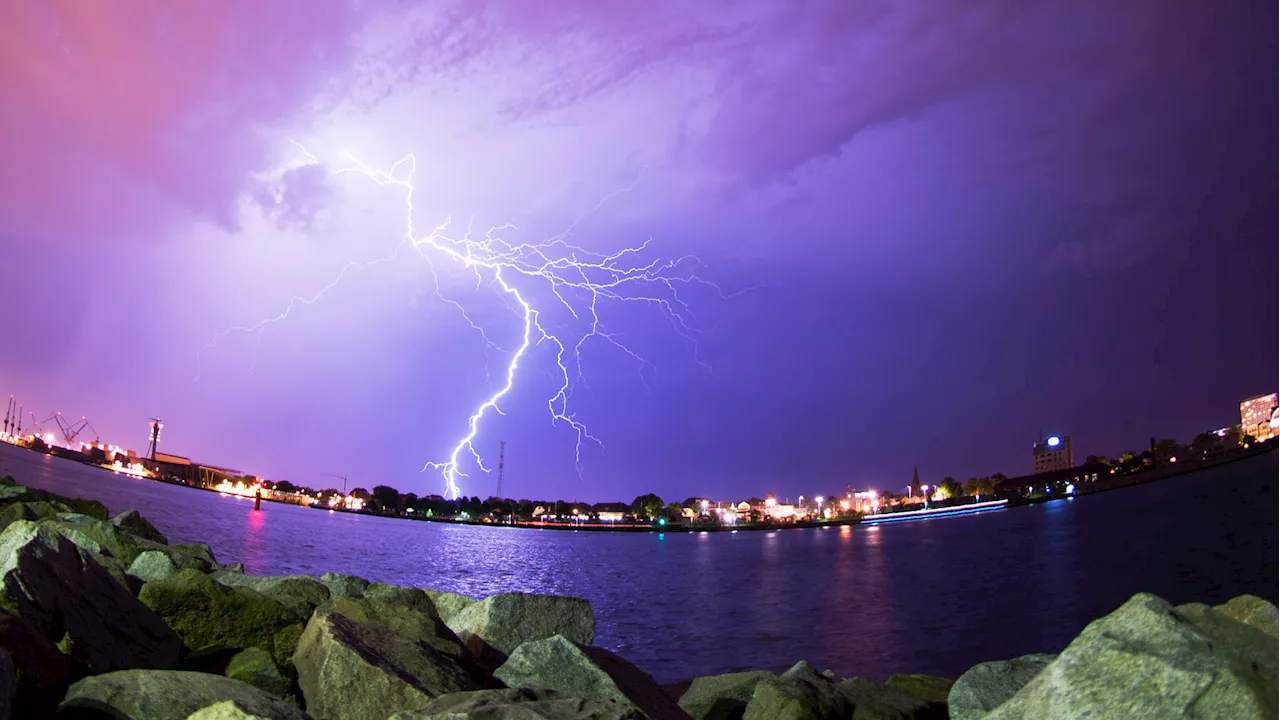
954,244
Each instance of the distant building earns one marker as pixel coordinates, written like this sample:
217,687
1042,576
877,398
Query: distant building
915,482
611,512
1052,454
1256,415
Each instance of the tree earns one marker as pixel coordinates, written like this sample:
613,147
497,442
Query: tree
524,509
385,497
409,500
949,488
675,512
647,506
360,493
1097,460
1234,437
286,487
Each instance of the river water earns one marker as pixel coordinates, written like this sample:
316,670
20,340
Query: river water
935,596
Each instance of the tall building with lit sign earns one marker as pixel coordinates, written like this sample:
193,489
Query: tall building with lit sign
1052,453
1255,416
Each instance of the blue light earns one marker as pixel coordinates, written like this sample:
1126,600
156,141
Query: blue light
1055,441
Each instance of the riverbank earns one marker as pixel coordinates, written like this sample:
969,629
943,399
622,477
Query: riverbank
102,615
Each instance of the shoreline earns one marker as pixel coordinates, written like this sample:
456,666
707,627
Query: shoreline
1103,485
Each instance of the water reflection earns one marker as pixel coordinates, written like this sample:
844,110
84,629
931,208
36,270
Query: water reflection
933,597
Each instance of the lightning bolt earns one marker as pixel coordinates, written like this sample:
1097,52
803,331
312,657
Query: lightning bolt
578,280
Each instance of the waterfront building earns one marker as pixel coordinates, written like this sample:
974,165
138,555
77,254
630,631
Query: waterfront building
611,512
1052,454
1063,481
1256,415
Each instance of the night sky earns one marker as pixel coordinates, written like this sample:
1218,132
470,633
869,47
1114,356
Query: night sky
937,230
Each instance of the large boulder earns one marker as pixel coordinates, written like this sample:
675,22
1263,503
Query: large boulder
983,687
424,627
718,697
800,693
494,627
578,670
67,597
169,695
299,593
350,669
132,522
520,704
256,667
410,597
448,604
873,701
209,614
35,510
344,585
42,671
1252,610
1149,659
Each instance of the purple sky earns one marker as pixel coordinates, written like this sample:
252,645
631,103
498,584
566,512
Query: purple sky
957,224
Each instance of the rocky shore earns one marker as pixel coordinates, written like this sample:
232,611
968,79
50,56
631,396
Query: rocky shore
100,617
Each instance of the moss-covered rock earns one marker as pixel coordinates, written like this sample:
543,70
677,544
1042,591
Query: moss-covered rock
225,710
71,600
207,614
449,604
91,508
583,671
721,696
494,627
341,585
300,593
1149,659
521,704
132,522
152,565
256,667
875,701
800,693
351,669
422,626
285,643
930,688
1252,610
983,687
35,510
41,671
410,597
169,695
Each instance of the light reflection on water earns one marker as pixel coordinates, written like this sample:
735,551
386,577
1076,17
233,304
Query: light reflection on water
934,596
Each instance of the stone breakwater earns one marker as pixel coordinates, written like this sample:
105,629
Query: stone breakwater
100,617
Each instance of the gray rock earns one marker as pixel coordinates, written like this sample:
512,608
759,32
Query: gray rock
119,571
233,567
209,614
983,687
200,551
721,696
1149,659
583,671
344,585
132,522
425,627
1252,610
494,627
800,693
350,669
152,565
8,685
35,510
520,704
448,604
299,593
256,667
225,710
871,700
42,670
170,695
64,594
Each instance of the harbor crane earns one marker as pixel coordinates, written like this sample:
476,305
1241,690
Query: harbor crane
69,431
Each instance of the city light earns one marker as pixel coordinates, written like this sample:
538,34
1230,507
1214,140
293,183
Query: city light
1055,441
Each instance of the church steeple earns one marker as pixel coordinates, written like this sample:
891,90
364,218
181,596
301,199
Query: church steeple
915,481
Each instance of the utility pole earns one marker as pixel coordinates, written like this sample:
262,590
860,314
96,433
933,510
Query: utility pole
502,461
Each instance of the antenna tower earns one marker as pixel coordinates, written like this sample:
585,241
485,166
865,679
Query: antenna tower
502,461
154,437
